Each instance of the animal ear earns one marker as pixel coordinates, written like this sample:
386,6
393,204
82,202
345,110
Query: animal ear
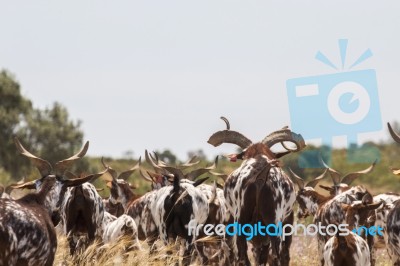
374,206
200,181
109,184
79,181
330,189
125,175
367,199
27,185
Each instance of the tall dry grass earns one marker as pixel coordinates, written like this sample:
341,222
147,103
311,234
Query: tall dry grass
303,252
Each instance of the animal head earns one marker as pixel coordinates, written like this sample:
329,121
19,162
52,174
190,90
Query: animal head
307,197
164,173
358,212
54,195
251,150
178,205
120,188
341,182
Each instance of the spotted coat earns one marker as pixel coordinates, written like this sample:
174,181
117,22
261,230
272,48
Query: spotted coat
256,192
115,228
393,233
331,212
346,250
27,234
81,214
173,210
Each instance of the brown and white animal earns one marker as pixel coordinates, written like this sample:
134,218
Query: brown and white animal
115,228
79,208
27,234
341,192
307,197
120,190
259,191
332,212
350,249
392,232
211,251
341,183
174,207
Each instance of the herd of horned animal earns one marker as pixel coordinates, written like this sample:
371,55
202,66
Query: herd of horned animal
258,191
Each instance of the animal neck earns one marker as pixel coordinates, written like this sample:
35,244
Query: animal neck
315,200
127,195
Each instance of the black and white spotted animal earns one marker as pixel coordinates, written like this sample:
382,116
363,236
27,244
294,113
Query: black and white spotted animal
351,249
82,213
173,208
27,234
392,212
259,191
115,228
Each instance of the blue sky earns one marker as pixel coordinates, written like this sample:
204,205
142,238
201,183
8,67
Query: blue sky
159,74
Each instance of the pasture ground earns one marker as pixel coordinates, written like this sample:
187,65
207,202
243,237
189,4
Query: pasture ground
303,252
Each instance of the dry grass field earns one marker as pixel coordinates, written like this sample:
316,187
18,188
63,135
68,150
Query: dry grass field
303,252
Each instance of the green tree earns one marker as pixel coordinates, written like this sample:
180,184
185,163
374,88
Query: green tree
52,134
48,133
13,110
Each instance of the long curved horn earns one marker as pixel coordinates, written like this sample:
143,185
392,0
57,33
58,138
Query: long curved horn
314,182
349,178
229,136
192,161
285,134
394,135
297,179
43,166
147,178
220,175
198,172
111,171
335,175
61,166
228,125
79,181
151,162
124,175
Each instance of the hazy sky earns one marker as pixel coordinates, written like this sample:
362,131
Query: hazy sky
159,74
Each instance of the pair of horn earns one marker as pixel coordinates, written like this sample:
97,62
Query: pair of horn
279,136
123,175
164,169
347,179
44,167
300,181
